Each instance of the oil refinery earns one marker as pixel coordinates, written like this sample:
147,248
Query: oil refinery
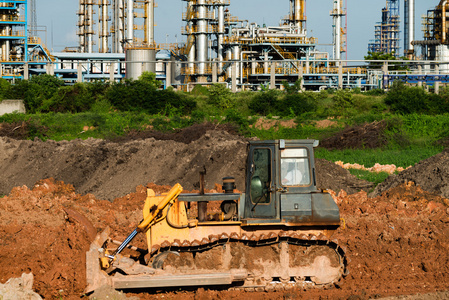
116,40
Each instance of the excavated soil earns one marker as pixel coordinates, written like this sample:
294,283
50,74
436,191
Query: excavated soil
397,242
431,174
369,135
113,169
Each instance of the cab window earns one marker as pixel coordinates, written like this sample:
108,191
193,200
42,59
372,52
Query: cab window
261,175
295,170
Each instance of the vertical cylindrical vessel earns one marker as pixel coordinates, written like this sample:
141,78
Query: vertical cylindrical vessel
236,57
292,10
297,11
90,26
201,40
221,29
121,26
81,25
409,25
139,61
103,29
337,29
149,22
130,22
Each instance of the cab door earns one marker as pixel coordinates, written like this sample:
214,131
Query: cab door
260,196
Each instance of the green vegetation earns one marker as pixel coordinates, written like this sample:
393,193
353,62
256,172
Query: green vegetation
417,121
368,157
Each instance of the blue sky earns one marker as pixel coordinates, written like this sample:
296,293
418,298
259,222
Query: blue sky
59,19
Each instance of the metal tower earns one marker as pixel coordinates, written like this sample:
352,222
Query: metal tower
409,26
33,18
387,31
339,31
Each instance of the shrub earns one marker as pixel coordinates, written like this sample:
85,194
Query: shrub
150,79
138,95
264,102
4,88
292,89
406,100
221,96
296,104
72,99
35,90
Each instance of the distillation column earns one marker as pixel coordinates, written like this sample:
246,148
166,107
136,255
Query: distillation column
149,22
81,26
90,26
119,26
192,51
201,39
409,26
297,14
103,21
130,22
337,16
221,31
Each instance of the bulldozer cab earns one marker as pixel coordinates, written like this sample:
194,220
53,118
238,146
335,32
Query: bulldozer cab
281,185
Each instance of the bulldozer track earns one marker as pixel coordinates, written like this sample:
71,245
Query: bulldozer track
262,281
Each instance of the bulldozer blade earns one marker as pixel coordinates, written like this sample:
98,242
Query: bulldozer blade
95,277
143,281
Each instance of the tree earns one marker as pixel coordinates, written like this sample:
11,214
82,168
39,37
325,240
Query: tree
385,56
150,79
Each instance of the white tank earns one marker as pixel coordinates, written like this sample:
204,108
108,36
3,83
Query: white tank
139,61
442,54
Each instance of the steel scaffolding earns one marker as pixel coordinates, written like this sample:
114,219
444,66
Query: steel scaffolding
386,33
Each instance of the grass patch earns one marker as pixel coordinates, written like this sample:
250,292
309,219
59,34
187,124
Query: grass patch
373,177
369,157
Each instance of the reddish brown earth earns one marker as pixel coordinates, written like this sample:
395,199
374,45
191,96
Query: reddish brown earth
397,242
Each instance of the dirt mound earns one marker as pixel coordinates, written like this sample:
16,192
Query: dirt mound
333,177
431,174
110,170
19,131
397,243
113,169
369,135
185,135
393,241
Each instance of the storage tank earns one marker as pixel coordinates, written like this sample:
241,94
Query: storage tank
442,54
139,61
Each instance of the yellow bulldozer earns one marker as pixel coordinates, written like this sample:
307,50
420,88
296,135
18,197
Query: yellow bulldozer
276,234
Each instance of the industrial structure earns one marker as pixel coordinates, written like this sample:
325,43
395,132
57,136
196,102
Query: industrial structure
13,36
20,53
339,29
435,45
409,28
386,33
219,46
116,41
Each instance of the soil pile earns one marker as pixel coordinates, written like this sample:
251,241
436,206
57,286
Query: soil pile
185,135
113,169
333,177
20,131
430,174
397,243
369,135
